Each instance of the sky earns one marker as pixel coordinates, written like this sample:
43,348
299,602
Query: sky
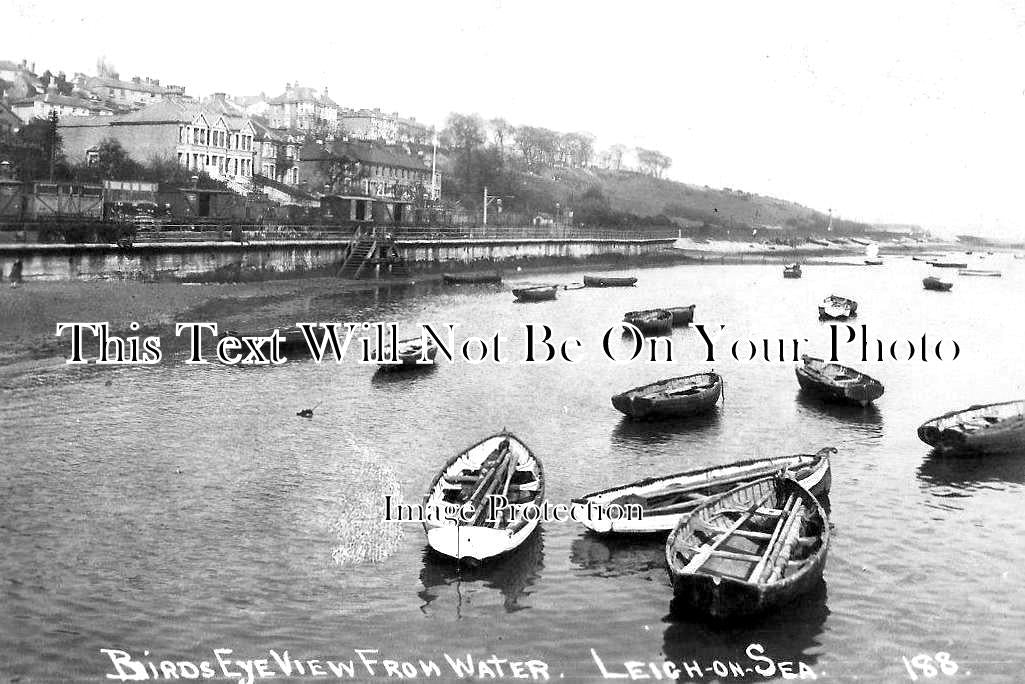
900,112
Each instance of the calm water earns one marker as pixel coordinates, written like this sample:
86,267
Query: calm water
180,509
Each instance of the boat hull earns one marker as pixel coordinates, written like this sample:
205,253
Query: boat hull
936,284
475,543
862,394
968,432
410,361
602,281
471,278
536,294
633,403
651,322
682,315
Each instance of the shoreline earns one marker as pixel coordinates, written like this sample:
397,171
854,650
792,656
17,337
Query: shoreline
28,341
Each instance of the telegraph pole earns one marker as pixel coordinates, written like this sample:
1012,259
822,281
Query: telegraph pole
51,135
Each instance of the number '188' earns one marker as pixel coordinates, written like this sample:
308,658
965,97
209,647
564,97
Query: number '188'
924,665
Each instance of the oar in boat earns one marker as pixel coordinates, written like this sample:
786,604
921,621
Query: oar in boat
781,524
707,550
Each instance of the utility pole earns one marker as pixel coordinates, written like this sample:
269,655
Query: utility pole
51,135
434,171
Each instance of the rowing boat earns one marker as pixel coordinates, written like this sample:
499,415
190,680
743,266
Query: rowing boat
934,283
983,428
948,264
292,341
748,551
835,307
682,315
792,271
836,382
651,321
663,501
471,278
609,281
671,398
411,354
978,272
537,293
873,262
498,466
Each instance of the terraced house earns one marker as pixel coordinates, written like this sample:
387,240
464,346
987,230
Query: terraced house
197,138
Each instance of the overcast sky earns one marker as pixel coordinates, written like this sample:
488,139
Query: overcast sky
882,111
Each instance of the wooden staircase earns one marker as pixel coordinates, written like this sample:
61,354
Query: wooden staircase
360,256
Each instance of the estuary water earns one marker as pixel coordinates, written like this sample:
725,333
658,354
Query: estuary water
173,510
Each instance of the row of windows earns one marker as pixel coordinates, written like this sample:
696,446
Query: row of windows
195,162
396,173
205,136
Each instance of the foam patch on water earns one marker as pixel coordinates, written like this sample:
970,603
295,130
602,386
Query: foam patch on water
360,527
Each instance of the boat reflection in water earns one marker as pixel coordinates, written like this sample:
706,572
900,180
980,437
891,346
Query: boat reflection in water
463,586
846,416
790,635
639,433
620,556
965,474
384,377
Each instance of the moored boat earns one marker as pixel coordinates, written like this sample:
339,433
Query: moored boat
663,501
538,293
979,272
836,382
472,278
873,262
674,397
792,271
934,283
292,340
835,307
682,315
498,466
609,281
948,264
749,550
410,354
651,321
982,428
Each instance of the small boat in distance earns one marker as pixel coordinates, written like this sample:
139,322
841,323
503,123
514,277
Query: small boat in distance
749,550
873,262
609,281
835,307
538,293
293,341
471,278
500,465
979,429
934,283
835,382
665,500
409,354
651,321
671,398
682,315
978,272
792,271
948,264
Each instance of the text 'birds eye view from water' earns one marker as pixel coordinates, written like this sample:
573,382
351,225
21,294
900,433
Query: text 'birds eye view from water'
446,346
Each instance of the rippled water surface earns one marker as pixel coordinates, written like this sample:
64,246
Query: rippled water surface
180,509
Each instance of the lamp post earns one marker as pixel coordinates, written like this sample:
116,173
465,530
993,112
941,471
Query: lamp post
434,171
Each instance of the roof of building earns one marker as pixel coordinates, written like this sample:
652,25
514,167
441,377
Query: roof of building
167,111
139,86
361,152
63,100
302,94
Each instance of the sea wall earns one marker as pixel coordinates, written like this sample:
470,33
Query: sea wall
225,260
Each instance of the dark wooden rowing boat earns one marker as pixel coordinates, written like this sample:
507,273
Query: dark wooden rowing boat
539,293
609,281
663,501
682,315
934,283
293,341
792,271
835,382
873,262
471,278
651,321
980,429
411,354
748,551
500,465
948,264
835,307
979,272
671,398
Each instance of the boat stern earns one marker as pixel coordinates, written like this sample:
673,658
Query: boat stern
470,542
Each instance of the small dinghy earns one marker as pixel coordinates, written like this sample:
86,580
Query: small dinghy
538,293
792,271
650,322
934,283
750,550
980,429
671,398
410,354
873,262
500,465
293,341
471,278
682,315
948,264
609,281
835,382
837,308
979,272
663,501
